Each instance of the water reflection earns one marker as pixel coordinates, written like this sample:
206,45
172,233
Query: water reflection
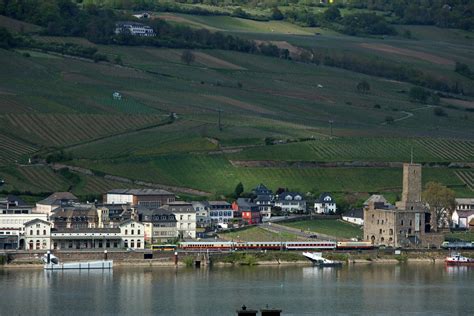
368,289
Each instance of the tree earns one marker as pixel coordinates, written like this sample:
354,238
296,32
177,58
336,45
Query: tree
440,200
239,189
418,94
276,14
332,14
187,57
363,86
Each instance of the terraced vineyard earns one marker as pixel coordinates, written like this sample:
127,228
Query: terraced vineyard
213,173
12,150
33,179
92,185
366,149
66,129
466,176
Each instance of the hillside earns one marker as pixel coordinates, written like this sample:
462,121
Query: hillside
294,123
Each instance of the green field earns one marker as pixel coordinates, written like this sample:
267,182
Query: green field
336,228
461,235
50,102
257,234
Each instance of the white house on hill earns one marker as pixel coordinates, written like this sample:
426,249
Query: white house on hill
325,204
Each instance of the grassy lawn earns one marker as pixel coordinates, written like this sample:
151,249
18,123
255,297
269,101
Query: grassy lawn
465,235
336,228
257,234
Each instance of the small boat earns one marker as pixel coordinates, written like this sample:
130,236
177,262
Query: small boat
456,259
51,262
318,260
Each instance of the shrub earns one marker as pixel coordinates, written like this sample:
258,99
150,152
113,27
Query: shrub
439,112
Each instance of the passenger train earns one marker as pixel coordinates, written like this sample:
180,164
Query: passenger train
272,245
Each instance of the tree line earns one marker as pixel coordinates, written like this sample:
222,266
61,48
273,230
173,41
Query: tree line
442,13
66,18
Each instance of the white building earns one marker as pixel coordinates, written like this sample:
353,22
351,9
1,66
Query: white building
325,204
202,213
133,234
461,219
12,222
151,198
355,216
185,217
290,202
37,235
134,28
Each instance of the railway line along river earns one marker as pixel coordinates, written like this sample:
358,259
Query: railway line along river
419,289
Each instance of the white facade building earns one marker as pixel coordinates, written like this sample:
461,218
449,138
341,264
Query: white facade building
325,204
133,234
133,28
461,219
14,224
37,235
185,217
290,202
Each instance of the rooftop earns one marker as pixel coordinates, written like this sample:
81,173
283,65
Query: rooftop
356,213
57,197
465,201
86,230
140,192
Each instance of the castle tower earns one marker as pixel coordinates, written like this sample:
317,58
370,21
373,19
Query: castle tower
411,195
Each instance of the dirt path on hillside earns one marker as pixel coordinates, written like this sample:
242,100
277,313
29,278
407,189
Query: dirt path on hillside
129,182
301,95
463,103
179,19
239,104
215,62
408,52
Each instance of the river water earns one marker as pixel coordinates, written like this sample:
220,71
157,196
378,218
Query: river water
417,289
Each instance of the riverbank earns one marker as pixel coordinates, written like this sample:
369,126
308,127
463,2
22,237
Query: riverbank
268,258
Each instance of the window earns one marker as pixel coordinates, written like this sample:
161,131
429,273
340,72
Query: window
391,232
402,222
380,231
31,244
410,222
126,231
132,232
38,244
31,232
125,243
44,231
132,243
138,232
37,232
139,244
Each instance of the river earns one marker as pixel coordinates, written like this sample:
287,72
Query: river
418,289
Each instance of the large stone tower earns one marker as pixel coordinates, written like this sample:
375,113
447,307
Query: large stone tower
411,195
